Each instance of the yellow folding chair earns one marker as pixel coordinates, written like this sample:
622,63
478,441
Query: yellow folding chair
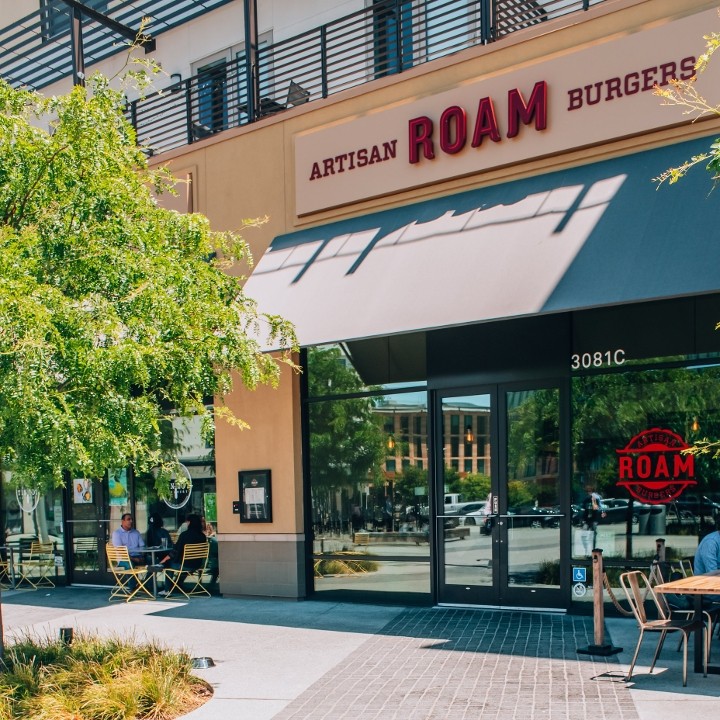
130,582
6,579
36,567
193,565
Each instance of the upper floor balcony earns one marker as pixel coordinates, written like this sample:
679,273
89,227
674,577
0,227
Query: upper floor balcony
263,75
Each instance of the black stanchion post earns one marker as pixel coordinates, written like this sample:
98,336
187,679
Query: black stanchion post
599,646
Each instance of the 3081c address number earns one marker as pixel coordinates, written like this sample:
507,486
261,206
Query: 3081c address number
597,359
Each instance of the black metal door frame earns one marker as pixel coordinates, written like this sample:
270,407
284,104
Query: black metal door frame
500,593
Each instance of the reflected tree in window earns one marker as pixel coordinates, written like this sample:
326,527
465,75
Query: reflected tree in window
533,448
472,486
347,448
608,410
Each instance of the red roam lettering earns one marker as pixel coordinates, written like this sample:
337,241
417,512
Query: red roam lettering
452,130
634,82
653,467
660,467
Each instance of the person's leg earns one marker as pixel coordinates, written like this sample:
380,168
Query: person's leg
131,584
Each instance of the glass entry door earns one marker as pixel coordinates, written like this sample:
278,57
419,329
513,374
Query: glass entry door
501,521
89,531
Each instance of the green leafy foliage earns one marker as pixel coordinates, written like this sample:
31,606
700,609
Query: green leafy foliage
112,309
684,94
473,486
347,444
96,679
404,484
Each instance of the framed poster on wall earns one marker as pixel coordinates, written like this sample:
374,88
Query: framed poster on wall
255,496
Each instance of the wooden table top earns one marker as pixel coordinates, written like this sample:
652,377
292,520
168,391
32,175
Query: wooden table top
708,584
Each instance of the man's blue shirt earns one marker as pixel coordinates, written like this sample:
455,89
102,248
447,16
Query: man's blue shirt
707,555
131,539
707,559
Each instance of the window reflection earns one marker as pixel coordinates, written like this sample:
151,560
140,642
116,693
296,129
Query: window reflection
611,409
22,524
533,488
369,481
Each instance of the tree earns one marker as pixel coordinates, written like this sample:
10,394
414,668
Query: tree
406,482
473,486
346,441
684,93
112,310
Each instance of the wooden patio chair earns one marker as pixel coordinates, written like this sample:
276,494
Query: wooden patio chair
38,565
130,582
637,588
193,565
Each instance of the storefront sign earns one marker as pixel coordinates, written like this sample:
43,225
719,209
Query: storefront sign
575,100
653,467
597,359
180,488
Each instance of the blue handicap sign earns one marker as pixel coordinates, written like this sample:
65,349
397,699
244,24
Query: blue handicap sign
579,574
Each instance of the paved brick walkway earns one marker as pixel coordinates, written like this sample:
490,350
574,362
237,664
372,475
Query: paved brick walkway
456,664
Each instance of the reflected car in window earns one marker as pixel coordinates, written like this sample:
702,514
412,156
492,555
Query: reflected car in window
698,505
616,511
534,516
472,513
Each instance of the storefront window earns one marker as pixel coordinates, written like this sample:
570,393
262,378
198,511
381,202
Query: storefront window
27,518
629,431
196,453
368,486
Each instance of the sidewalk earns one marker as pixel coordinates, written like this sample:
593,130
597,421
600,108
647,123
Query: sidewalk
283,660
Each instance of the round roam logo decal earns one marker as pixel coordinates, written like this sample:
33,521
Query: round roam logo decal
653,467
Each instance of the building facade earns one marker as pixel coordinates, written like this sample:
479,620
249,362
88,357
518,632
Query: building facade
495,299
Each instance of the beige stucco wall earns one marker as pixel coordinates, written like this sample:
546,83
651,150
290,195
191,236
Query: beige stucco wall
248,172
272,441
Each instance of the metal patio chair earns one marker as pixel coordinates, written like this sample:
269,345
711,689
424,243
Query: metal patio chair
637,587
193,565
130,582
36,567
667,572
6,579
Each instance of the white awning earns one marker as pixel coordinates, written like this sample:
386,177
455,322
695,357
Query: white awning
601,234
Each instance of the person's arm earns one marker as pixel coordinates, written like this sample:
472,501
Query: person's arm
709,555
600,504
115,540
179,545
135,543
705,557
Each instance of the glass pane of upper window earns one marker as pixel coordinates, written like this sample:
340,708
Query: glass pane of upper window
56,14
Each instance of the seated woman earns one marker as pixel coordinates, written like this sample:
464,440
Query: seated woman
156,533
193,534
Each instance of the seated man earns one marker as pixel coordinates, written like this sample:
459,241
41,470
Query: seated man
707,558
128,536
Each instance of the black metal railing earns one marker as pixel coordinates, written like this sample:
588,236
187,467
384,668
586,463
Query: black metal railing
35,51
386,38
